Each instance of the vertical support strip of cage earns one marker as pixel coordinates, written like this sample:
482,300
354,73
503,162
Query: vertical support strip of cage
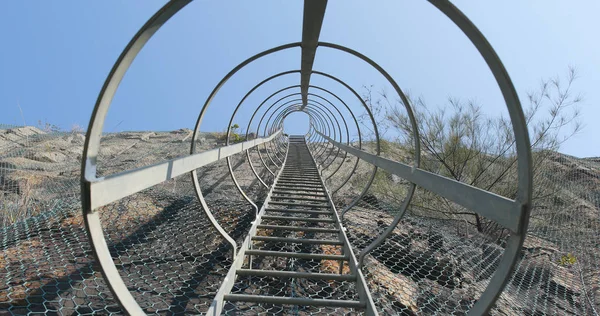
314,12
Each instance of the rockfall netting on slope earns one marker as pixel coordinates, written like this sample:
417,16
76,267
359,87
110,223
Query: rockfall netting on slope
160,240
428,265
437,262
166,240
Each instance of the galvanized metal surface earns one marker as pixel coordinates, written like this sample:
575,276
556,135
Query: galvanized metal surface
290,215
314,12
504,211
111,188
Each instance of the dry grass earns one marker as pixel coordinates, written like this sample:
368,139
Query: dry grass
23,202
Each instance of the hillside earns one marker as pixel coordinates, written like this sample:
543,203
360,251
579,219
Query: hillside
167,251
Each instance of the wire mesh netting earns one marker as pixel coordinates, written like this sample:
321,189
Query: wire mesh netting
380,205
165,248
439,261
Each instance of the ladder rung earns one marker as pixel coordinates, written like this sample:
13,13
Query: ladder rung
293,274
300,193
293,165
303,176
301,179
278,197
294,191
280,300
301,204
299,219
283,210
297,187
300,228
300,255
298,240
293,181
299,171
299,183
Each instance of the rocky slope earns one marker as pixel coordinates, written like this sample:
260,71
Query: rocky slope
168,252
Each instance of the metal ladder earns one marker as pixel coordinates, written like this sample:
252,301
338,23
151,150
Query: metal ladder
297,252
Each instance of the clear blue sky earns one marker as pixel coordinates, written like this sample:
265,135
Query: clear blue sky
55,56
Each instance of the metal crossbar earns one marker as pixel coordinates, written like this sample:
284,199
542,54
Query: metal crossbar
506,212
279,224
114,187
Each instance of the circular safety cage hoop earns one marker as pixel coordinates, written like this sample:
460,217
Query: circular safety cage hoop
312,224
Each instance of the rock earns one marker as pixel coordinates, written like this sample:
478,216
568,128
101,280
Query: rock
10,137
181,131
201,139
435,240
20,163
4,143
7,184
146,137
20,135
531,272
25,131
74,138
393,252
78,139
535,246
21,182
561,282
371,199
404,290
49,156
74,152
490,258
